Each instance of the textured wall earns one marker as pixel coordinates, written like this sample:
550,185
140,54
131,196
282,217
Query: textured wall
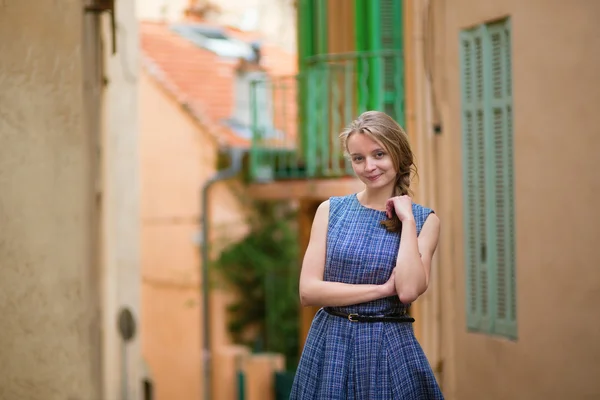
50,343
120,232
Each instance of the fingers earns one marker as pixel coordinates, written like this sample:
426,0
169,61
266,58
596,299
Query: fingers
393,203
389,206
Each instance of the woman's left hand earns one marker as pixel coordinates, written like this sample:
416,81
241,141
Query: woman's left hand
402,206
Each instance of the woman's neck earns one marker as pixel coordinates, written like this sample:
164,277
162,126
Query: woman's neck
375,198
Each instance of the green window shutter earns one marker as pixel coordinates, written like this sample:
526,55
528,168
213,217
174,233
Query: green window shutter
312,29
361,11
469,180
306,41
362,24
375,64
320,17
488,179
503,190
390,12
475,181
312,40
379,26
306,48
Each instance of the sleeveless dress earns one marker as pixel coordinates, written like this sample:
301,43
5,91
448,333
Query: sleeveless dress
345,360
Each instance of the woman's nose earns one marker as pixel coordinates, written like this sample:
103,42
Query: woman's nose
369,165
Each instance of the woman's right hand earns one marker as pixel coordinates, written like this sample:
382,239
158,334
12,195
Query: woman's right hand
389,288
314,291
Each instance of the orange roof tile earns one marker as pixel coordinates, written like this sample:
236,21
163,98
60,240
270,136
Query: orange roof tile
199,79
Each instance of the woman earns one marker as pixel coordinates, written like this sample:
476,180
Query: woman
361,343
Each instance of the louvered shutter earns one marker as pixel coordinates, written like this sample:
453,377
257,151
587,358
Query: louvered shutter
502,210
474,164
312,40
379,26
392,84
312,28
320,20
488,179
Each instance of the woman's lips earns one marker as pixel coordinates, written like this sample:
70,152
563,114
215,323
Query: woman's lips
373,178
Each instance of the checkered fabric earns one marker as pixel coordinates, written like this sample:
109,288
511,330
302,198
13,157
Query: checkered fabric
344,360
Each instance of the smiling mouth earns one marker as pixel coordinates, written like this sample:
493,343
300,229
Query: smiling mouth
373,178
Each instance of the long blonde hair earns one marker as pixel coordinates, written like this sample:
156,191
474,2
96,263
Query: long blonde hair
383,129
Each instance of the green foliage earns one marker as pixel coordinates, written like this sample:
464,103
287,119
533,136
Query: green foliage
262,269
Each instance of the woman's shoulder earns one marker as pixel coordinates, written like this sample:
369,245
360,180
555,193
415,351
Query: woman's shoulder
421,210
338,206
337,203
421,214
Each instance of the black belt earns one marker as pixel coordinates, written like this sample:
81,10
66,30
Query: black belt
370,318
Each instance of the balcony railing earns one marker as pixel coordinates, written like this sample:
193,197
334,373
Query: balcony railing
296,120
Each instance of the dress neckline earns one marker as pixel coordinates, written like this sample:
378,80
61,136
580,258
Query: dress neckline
361,205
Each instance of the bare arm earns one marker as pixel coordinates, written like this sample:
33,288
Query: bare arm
413,264
314,291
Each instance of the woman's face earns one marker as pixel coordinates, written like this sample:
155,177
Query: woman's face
371,161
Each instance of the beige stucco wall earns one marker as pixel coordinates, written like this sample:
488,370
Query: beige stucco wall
177,157
49,300
120,206
556,59
68,203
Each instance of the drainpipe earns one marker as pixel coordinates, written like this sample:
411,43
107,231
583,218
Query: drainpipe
235,167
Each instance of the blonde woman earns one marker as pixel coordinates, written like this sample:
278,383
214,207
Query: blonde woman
368,258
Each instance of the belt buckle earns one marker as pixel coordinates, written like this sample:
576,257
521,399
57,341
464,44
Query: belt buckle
351,317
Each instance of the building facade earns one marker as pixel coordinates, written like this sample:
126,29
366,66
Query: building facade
68,168
511,93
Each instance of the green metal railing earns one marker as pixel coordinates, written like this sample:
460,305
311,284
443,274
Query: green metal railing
296,120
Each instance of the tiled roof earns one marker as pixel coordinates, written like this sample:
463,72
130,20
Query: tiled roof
199,79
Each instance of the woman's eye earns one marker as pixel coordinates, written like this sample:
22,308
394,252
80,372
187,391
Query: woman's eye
357,159
379,154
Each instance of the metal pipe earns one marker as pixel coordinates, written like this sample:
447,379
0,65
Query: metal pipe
236,155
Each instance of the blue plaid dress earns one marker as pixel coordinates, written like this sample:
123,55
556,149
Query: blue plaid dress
344,360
